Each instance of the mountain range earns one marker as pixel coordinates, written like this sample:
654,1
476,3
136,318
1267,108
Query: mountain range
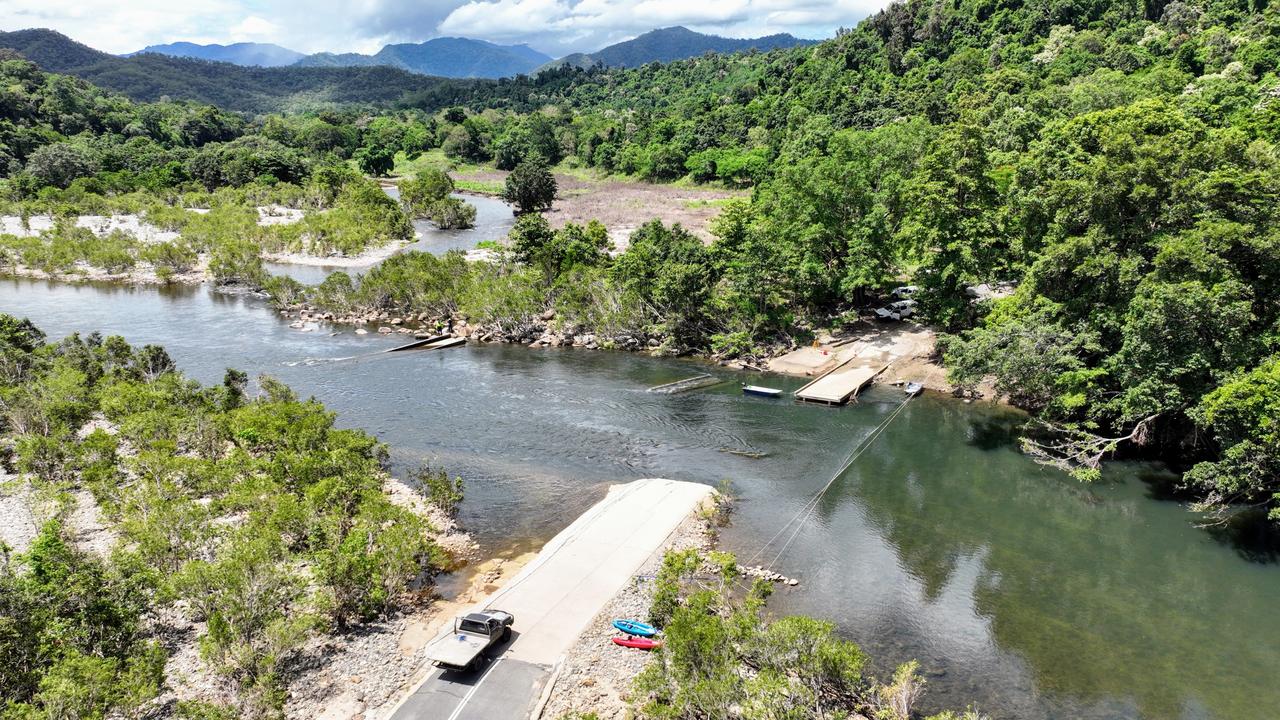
456,57
245,53
150,76
673,43
444,57
344,81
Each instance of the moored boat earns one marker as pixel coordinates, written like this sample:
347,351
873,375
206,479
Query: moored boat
913,388
761,391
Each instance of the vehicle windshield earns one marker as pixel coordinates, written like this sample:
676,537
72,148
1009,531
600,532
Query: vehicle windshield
473,626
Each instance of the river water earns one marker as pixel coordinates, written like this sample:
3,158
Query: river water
493,221
1018,589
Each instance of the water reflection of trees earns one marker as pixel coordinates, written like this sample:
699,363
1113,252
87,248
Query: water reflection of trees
1107,594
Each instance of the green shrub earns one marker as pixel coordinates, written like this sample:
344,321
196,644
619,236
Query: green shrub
452,214
438,489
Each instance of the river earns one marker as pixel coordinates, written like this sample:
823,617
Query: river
493,221
1019,589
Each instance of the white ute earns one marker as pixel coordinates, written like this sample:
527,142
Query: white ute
900,310
472,634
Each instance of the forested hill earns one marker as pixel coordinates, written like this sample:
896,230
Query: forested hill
150,77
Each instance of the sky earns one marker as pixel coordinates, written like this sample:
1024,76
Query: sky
556,27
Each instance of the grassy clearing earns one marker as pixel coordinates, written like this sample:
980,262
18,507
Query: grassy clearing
484,187
571,167
404,167
707,203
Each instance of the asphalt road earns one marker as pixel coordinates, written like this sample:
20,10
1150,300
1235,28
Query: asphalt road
505,688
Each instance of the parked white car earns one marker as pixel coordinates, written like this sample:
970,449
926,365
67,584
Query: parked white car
905,291
900,310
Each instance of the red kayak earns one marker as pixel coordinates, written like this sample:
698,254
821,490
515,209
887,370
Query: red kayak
637,642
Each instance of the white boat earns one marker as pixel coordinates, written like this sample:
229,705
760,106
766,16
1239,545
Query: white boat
761,391
913,388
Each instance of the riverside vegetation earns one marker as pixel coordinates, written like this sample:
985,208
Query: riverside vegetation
254,517
721,658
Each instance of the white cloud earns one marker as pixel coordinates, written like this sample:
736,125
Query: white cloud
554,26
589,24
119,25
254,28
504,18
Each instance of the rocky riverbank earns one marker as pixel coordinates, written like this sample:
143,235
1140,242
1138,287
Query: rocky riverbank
541,331
140,274
901,352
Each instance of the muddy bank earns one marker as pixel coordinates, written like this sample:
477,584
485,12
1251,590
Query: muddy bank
899,352
623,205
369,257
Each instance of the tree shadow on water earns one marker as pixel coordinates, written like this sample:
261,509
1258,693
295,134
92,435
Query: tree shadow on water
1251,534
1164,485
995,433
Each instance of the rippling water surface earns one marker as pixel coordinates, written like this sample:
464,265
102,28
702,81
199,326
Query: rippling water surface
1019,590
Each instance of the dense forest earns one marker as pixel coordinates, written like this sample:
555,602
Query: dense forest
1114,161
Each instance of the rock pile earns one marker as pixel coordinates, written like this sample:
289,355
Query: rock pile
756,571
540,331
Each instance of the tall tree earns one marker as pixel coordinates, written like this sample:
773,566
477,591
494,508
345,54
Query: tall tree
530,187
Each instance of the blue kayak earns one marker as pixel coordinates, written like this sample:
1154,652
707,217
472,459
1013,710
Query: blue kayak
635,627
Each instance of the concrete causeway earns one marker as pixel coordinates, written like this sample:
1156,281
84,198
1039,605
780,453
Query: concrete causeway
555,596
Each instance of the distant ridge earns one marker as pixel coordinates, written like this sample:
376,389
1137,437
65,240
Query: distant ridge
328,80
245,53
670,44
151,76
444,57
